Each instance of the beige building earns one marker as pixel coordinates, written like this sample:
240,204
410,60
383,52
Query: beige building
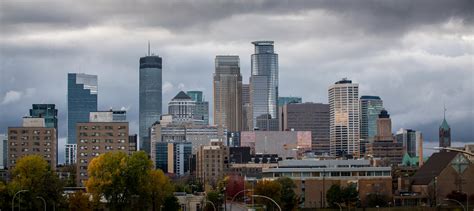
285,144
96,138
228,93
212,162
33,138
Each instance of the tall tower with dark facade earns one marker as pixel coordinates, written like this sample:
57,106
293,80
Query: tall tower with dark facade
228,93
82,94
150,96
444,133
264,86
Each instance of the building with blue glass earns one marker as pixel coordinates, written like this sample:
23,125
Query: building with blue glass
264,86
50,115
288,100
150,97
201,110
172,157
81,100
370,108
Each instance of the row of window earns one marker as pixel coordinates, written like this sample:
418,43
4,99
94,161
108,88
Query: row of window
332,174
110,141
110,134
99,127
36,132
25,138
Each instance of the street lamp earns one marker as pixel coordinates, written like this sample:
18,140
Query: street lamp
233,198
13,200
463,208
44,202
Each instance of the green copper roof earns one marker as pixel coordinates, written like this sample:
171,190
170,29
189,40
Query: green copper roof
444,125
410,161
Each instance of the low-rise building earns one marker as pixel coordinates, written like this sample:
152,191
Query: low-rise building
212,162
286,144
313,178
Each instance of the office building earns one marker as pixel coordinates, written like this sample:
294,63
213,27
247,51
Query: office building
33,138
132,143
181,108
370,107
246,108
312,117
201,111
172,157
264,86
344,118
3,151
286,144
412,143
212,162
99,135
288,100
313,178
444,133
228,93
384,145
81,99
150,96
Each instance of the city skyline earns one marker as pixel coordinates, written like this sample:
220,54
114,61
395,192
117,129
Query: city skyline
396,62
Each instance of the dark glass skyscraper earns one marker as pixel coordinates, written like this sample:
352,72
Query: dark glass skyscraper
201,110
50,115
370,108
264,86
81,99
150,97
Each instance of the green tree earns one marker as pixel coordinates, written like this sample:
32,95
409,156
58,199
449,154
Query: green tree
334,195
33,173
171,203
350,195
215,198
159,187
270,189
288,198
374,200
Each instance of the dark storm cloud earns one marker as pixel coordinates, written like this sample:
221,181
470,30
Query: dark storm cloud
417,55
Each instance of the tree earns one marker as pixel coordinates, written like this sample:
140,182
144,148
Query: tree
334,195
288,198
270,189
374,200
215,198
33,173
234,185
350,195
159,187
79,201
171,203
120,178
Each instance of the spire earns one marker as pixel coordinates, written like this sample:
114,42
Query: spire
148,47
444,124
445,111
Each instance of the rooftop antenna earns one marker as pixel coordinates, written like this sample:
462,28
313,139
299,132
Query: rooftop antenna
148,47
445,110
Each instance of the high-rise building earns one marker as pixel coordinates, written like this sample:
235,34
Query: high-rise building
444,133
172,157
81,99
384,145
201,111
312,117
3,151
181,108
99,135
33,138
212,162
246,108
412,142
228,93
150,96
287,100
264,86
344,118
370,107
50,115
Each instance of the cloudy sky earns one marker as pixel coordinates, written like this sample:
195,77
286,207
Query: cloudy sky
416,55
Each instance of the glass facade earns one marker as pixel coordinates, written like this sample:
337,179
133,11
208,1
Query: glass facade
264,84
287,100
201,111
81,99
179,159
370,108
150,97
50,115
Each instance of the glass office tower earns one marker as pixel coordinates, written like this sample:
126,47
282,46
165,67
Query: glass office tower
150,96
81,99
50,115
264,86
370,108
201,110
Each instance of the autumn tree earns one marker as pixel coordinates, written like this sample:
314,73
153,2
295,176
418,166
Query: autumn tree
159,187
234,185
270,189
288,197
33,173
79,201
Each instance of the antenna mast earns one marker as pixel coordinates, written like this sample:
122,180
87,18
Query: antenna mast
148,47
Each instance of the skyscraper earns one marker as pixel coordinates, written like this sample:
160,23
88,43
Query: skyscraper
181,107
312,117
81,99
228,93
344,118
246,108
412,141
201,110
150,96
287,100
370,108
444,133
264,86
50,115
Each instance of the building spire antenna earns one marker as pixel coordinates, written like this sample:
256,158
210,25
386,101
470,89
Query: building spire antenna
148,47
445,111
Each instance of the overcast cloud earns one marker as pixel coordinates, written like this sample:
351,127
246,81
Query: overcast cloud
416,55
